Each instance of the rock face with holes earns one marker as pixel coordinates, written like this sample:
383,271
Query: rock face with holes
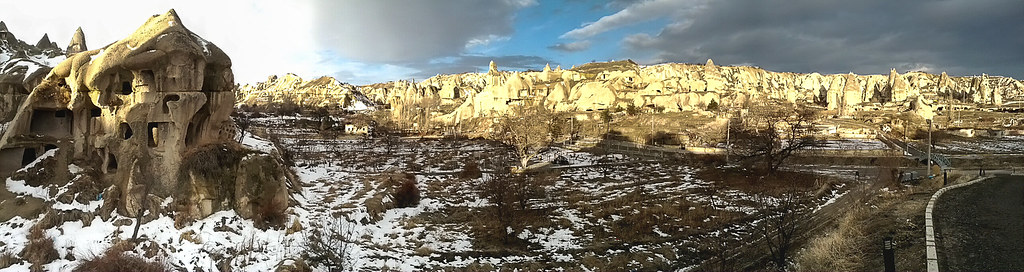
675,87
137,107
22,66
323,92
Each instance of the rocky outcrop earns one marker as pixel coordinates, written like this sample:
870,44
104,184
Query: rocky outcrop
685,87
77,44
22,67
290,88
134,109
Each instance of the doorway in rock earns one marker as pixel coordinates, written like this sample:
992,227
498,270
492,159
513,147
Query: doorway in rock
28,156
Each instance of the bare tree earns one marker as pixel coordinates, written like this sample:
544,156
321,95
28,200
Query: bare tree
384,133
242,121
510,195
528,131
773,133
780,225
719,242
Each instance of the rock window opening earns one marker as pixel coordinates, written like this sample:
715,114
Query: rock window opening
126,130
51,122
169,98
147,76
111,162
95,112
50,147
126,87
153,129
28,156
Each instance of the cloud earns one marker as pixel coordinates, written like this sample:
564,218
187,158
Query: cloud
395,31
571,47
634,12
962,37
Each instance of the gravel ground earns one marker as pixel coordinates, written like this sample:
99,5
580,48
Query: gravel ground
981,227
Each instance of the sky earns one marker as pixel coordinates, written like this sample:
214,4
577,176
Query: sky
369,41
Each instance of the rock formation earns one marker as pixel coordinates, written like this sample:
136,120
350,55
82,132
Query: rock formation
22,67
290,88
77,44
689,87
148,112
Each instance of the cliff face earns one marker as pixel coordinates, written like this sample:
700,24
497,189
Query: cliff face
22,67
146,113
320,92
685,87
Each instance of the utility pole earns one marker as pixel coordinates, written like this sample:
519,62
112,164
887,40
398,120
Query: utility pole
652,129
728,126
929,148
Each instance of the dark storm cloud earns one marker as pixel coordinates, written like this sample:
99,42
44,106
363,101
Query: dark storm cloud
571,47
864,36
391,31
474,63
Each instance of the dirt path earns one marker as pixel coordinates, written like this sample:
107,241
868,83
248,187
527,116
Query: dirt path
981,227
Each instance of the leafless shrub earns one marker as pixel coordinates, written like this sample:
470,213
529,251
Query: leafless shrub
328,243
39,250
407,194
780,225
7,259
471,170
117,258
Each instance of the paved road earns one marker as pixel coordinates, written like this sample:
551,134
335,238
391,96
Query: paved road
981,227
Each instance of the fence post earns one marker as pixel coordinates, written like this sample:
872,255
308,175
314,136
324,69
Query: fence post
888,254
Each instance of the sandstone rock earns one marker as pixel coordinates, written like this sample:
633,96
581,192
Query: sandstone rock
851,91
77,44
676,86
290,88
45,44
137,105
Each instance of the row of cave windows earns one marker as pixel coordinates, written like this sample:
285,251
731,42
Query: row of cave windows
29,155
97,112
126,86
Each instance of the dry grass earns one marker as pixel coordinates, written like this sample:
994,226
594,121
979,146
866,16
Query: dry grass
387,194
39,250
470,170
407,194
840,249
7,259
271,214
116,258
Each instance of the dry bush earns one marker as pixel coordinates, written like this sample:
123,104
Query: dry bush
471,170
8,259
293,265
839,250
512,206
39,250
270,214
407,194
328,243
116,258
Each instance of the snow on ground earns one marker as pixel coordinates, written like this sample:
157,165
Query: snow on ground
854,144
595,213
982,145
254,142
